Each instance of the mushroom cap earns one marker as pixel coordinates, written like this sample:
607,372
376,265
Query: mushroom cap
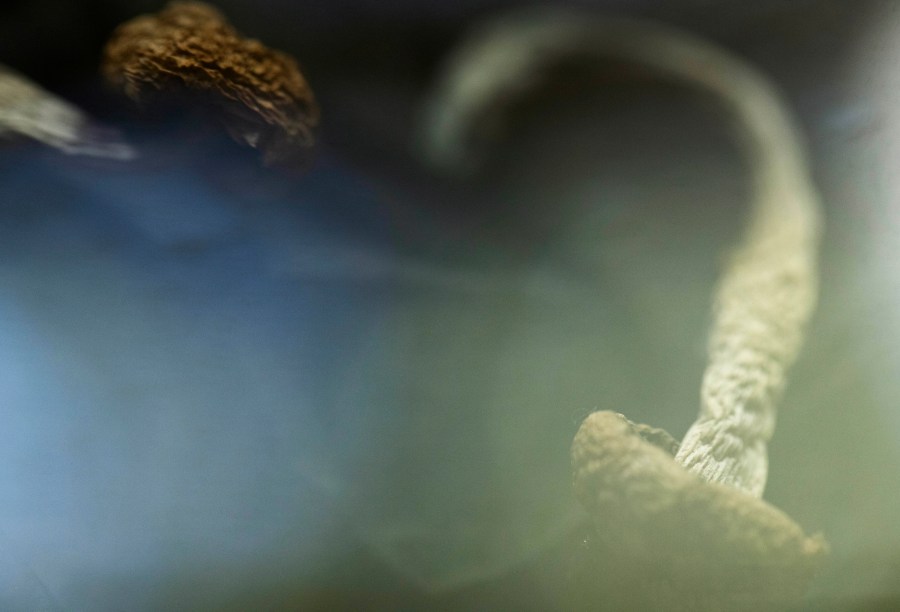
675,537
262,97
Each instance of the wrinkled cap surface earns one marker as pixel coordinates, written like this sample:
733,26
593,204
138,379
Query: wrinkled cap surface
262,97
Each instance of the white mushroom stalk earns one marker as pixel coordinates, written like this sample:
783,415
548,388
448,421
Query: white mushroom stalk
768,289
27,110
644,503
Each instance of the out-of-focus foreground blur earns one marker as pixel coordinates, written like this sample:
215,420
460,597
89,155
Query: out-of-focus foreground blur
225,386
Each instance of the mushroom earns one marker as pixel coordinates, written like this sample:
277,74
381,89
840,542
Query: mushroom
189,48
28,110
663,538
690,530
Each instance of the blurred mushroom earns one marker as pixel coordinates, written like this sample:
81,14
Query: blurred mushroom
687,531
189,48
27,110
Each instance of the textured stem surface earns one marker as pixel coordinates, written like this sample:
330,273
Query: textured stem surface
768,289
689,531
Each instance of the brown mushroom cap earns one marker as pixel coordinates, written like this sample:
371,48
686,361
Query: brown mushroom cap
265,101
677,541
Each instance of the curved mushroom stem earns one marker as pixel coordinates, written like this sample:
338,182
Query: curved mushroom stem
768,290
710,539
